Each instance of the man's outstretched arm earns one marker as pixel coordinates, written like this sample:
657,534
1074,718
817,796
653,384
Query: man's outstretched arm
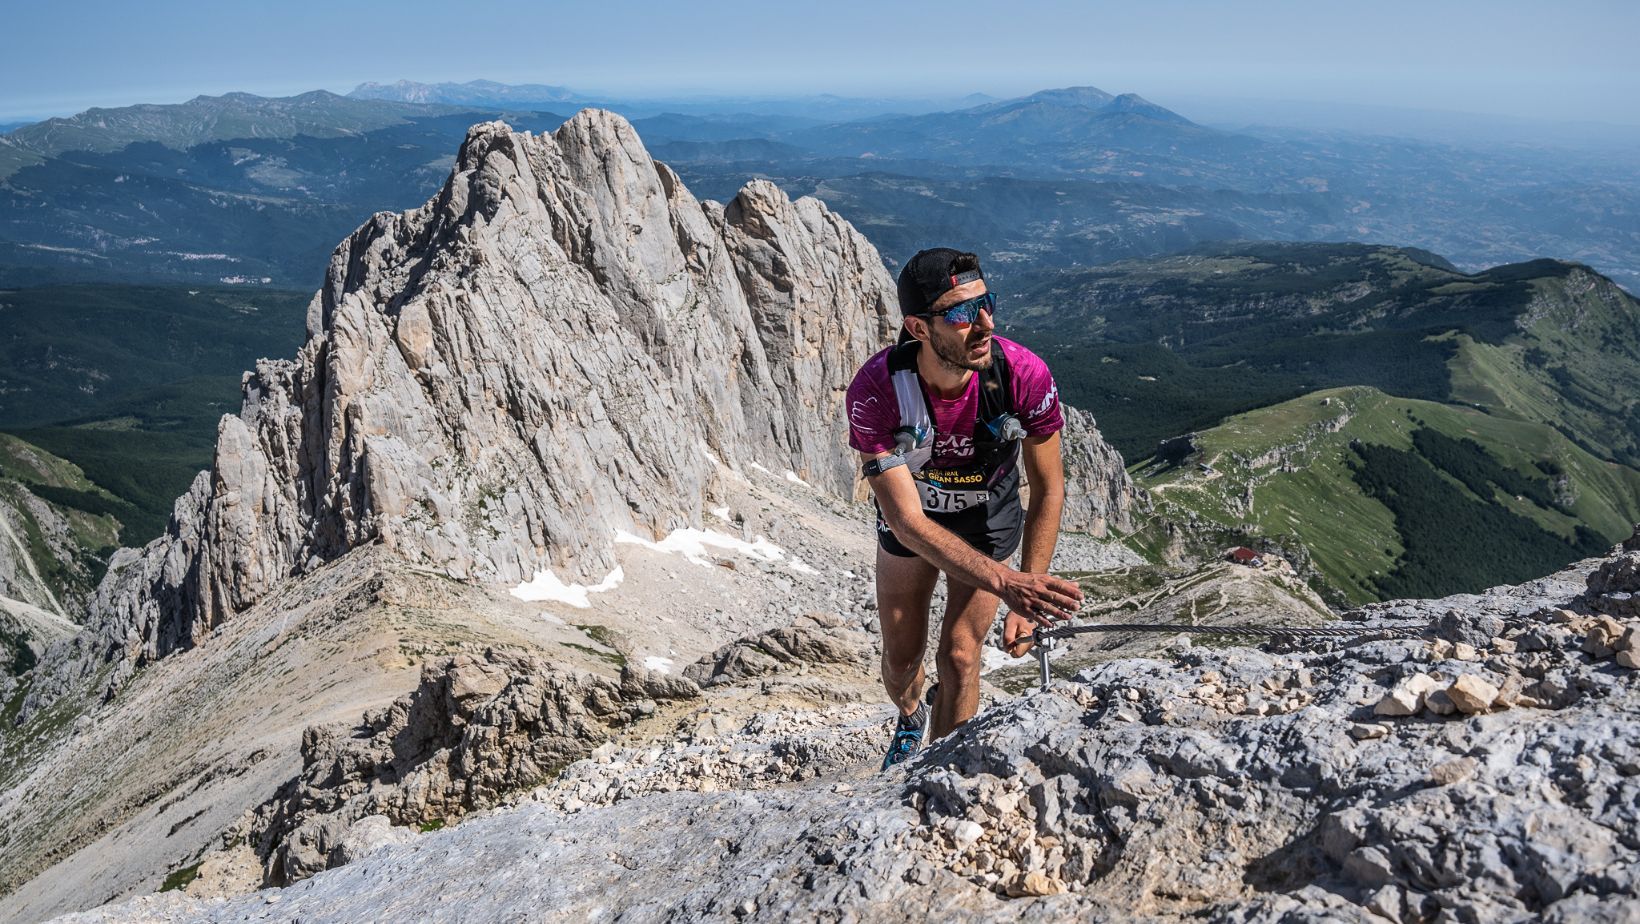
1045,470
1022,591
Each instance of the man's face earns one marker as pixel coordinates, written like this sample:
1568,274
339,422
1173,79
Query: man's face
959,347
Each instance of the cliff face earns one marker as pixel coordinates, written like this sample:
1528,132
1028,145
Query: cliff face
560,345
1099,495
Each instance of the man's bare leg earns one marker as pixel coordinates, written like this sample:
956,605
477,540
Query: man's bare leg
969,613
904,588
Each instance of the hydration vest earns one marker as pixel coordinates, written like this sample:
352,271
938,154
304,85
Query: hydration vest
993,473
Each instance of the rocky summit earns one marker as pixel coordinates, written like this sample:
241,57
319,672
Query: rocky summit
560,345
539,585
1229,784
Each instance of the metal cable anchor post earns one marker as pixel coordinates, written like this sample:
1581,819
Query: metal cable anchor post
1043,644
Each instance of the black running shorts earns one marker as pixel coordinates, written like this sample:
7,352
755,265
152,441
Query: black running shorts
994,530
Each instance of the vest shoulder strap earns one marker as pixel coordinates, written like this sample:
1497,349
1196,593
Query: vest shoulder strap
995,384
996,398
995,388
903,358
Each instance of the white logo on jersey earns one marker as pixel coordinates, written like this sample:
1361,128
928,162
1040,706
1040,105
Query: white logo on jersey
859,414
1048,401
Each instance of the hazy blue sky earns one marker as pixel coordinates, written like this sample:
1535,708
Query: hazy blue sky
1571,59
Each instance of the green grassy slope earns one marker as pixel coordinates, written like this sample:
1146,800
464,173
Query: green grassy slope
1289,473
1156,348
1574,364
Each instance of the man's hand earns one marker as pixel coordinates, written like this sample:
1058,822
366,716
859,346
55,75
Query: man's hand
1016,634
1035,600
1041,598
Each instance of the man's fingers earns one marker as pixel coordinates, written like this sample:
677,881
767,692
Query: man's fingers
1065,585
1056,609
1044,599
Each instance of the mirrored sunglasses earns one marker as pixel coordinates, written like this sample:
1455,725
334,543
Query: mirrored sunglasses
967,312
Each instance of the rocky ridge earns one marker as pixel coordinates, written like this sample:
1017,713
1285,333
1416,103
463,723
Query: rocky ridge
1237,784
1099,495
816,639
481,728
36,609
124,794
41,562
26,633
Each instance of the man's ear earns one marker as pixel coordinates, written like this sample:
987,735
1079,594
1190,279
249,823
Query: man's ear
917,328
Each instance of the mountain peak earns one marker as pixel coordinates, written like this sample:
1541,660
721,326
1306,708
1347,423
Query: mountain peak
560,346
473,92
1068,108
1085,97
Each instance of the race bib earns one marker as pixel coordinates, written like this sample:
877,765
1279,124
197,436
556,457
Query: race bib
951,490
945,500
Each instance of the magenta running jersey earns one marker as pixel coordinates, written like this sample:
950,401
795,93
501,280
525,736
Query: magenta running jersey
873,412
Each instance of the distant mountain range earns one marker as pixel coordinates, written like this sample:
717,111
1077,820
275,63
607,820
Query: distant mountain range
487,94
205,119
1051,130
484,93
220,190
244,189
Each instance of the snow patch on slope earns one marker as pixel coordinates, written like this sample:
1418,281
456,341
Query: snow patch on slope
546,586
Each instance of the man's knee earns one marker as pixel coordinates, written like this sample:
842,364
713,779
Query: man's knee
901,663
960,660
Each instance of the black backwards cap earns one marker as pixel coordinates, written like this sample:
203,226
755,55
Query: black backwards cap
932,273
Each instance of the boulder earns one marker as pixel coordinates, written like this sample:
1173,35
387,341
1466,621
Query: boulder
791,646
1471,694
1407,697
1471,628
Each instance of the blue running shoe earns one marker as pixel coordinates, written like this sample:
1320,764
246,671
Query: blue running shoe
908,737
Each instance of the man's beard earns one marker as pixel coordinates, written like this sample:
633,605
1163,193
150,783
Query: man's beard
953,355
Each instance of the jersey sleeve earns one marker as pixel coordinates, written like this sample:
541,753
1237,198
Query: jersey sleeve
1036,395
872,411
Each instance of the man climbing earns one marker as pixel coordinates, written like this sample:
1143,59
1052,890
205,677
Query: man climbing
942,421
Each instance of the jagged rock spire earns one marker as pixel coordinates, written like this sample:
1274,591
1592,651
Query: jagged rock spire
561,343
